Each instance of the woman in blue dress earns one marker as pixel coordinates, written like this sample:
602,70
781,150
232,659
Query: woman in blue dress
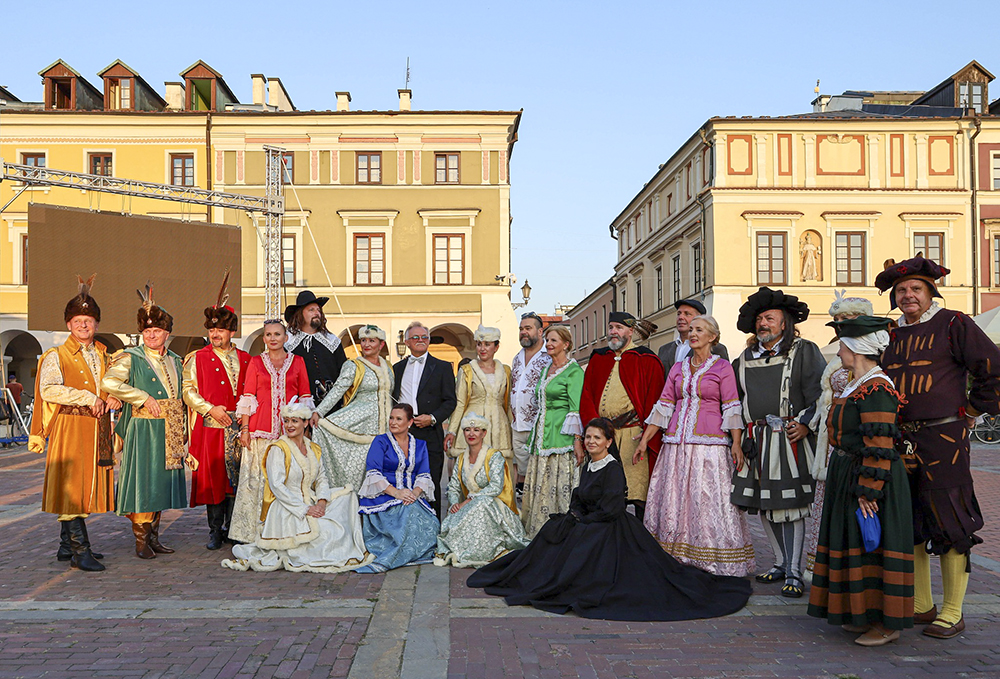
400,528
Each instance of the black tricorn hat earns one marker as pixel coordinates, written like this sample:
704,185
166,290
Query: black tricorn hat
860,326
764,299
693,303
926,270
304,298
83,304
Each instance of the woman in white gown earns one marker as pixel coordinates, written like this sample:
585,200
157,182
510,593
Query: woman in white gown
307,526
365,383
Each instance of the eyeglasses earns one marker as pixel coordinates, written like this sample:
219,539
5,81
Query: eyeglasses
530,314
422,338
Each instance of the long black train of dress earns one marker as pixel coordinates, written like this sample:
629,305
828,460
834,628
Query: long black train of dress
601,562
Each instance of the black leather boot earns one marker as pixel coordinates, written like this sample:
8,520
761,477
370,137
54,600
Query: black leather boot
65,552
154,537
216,515
80,544
230,501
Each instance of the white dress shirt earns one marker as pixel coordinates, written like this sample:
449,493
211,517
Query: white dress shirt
411,381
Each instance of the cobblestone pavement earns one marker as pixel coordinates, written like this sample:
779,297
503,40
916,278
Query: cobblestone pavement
181,615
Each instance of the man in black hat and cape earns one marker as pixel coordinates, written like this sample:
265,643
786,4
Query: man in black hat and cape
309,338
778,378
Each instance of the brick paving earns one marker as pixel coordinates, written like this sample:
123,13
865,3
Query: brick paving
182,615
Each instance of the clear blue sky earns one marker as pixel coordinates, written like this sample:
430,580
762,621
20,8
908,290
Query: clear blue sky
609,89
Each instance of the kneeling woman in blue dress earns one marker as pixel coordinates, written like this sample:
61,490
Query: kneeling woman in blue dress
400,528
600,561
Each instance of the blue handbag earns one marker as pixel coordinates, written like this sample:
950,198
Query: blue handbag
871,530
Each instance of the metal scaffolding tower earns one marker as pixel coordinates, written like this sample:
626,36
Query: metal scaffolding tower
271,204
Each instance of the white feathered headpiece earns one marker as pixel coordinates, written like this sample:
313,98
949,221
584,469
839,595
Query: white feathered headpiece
853,306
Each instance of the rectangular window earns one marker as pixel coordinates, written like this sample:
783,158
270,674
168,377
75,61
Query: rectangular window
971,95
182,169
449,259
288,259
850,259
931,244
369,259
604,320
677,277
100,163
62,93
996,172
659,287
33,159
638,298
24,259
696,257
586,330
996,261
446,168
369,168
771,258
120,94
624,300
288,168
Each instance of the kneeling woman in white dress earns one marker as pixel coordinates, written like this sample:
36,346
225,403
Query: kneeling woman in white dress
307,526
482,523
400,528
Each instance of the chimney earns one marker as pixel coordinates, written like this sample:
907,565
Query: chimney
259,88
279,96
175,96
343,101
404,99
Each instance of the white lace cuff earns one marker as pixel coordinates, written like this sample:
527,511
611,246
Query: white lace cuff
374,484
572,425
661,414
247,405
426,484
732,419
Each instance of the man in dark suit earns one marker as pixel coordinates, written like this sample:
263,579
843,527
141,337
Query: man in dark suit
427,384
673,352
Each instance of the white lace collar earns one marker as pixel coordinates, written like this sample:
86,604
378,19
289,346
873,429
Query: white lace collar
600,464
924,317
327,339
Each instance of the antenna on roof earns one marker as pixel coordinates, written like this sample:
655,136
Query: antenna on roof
816,89
406,86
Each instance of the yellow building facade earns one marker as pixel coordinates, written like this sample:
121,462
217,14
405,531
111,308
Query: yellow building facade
396,215
812,204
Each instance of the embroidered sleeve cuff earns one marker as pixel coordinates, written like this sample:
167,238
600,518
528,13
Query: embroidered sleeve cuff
572,425
247,405
374,484
661,414
426,484
732,419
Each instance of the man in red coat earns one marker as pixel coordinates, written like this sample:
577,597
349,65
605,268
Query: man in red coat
622,383
213,380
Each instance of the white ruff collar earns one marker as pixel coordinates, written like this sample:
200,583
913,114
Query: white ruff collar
924,317
327,339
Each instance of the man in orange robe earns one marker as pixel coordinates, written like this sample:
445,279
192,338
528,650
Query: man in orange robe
73,416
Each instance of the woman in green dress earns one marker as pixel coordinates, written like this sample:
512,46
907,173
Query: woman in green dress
555,445
866,592
482,523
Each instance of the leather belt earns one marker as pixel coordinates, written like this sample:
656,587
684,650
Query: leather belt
917,425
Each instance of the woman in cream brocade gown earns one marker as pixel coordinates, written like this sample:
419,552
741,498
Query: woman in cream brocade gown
486,393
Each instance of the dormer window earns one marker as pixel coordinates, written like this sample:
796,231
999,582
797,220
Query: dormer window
972,95
119,94
61,93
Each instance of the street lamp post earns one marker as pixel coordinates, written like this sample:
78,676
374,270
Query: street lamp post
525,293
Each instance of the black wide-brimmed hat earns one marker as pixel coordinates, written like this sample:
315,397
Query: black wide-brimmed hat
620,317
304,298
860,326
764,299
926,270
693,303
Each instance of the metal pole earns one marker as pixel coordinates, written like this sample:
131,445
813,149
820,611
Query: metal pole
272,231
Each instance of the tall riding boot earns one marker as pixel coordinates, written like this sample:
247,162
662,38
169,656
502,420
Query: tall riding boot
142,531
154,537
216,515
230,501
80,544
65,552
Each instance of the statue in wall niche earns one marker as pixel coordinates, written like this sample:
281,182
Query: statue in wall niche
810,256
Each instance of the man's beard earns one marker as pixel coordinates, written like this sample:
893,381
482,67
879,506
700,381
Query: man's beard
764,337
616,343
527,342
316,323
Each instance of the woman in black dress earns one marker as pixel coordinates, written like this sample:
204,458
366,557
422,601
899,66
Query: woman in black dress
601,562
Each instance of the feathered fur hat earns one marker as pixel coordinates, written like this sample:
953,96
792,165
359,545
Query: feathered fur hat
486,334
371,332
83,304
220,315
150,315
475,420
853,306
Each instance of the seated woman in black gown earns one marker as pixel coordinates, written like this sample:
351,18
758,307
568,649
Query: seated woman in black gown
601,562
